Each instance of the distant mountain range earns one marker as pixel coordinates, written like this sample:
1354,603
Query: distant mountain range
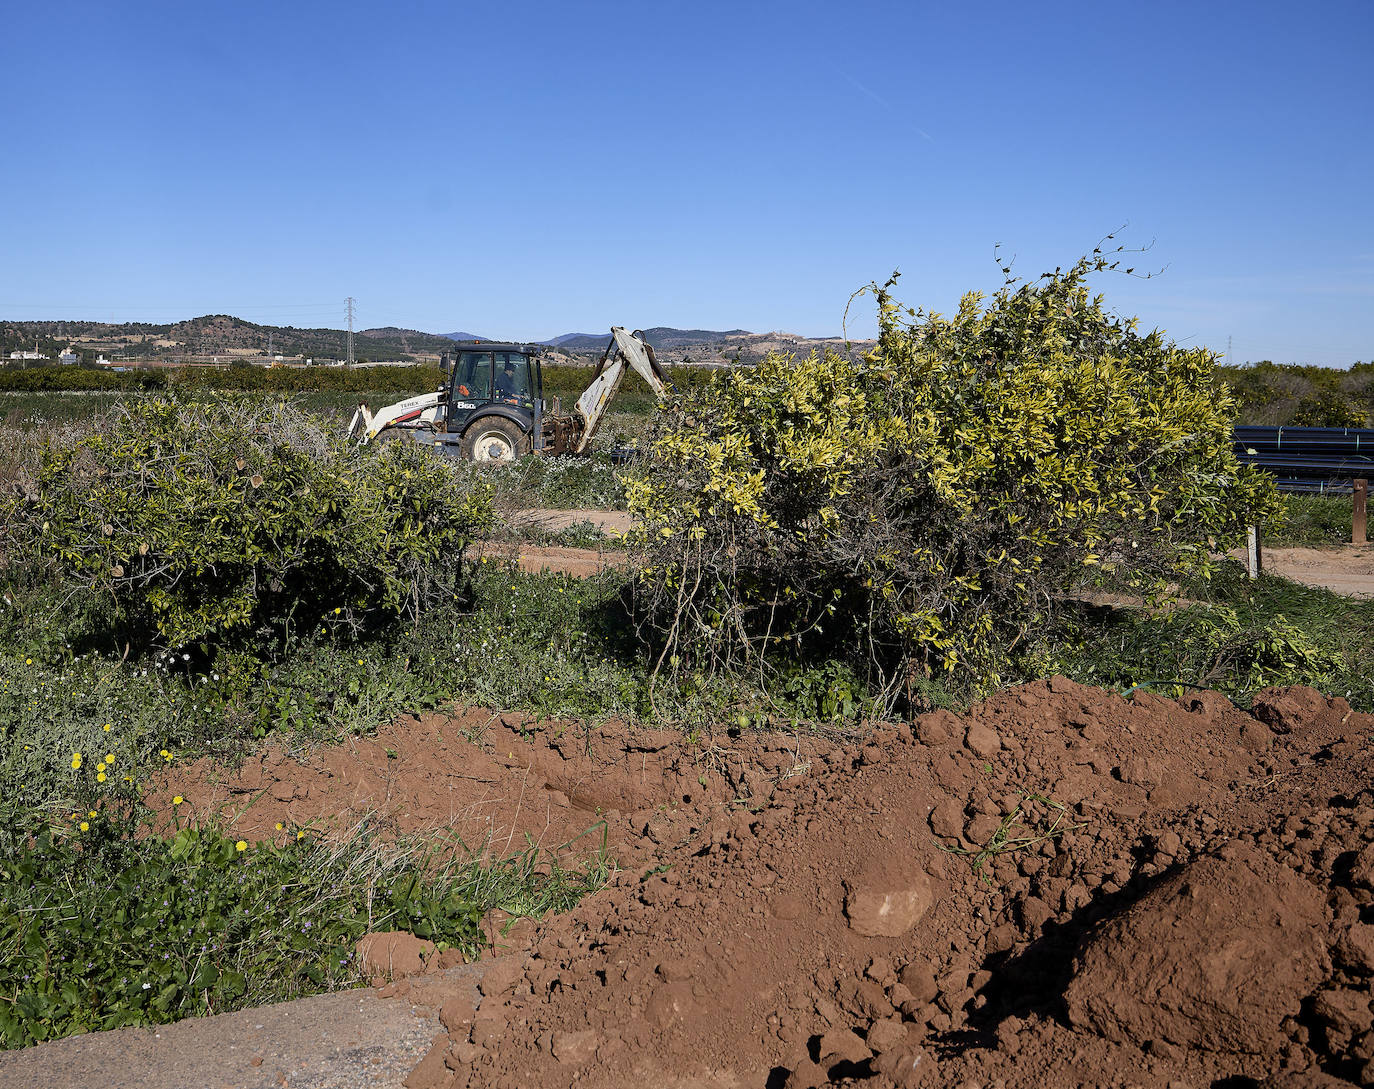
660,337
222,337
569,338
219,337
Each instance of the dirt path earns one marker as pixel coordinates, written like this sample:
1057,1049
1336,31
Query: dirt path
1348,569
581,563
608,521
578,562
336,1041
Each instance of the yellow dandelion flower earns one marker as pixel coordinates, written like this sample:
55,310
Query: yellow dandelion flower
100,767
90,814
100,777
109,758
107,727
300,835
85,827
76,760
178,800
241,846
337,611
279,826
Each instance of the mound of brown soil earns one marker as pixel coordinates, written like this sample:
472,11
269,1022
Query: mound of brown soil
496,782
1060,887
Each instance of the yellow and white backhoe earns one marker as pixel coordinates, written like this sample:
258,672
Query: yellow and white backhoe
491,404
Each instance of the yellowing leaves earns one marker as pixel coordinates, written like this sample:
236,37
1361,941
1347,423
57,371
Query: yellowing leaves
936,494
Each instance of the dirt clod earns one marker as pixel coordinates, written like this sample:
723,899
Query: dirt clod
887,897
394,954
982,741
1215,957
575,1048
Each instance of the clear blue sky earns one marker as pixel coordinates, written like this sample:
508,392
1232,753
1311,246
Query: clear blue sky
530,169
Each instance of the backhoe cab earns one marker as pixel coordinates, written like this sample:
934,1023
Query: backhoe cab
491,404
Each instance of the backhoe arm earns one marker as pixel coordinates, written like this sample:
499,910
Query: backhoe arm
626,350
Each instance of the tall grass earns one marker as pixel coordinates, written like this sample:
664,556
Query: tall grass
1314,521
1238,635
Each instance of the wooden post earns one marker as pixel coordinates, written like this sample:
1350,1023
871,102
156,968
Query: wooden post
1254,558
1358,516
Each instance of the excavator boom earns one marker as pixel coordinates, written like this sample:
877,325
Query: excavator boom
625,351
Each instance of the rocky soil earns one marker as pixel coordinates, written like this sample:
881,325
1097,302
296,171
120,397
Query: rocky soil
1060,887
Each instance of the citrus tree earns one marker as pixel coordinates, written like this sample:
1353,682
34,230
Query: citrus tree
923,508
234,517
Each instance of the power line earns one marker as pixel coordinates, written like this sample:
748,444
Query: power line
349,303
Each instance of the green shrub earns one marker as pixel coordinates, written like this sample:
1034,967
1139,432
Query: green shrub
1328,409
232,517
103,927
1283,394
310,379
42,379
925,509
1233,634
241,377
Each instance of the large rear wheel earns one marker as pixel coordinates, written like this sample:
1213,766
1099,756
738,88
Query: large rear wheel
494,439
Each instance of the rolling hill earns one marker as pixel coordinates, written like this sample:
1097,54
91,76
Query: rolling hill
223,337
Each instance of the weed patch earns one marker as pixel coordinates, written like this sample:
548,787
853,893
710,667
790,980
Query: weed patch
558,483
1312,521
1034,820
1242,635
101,927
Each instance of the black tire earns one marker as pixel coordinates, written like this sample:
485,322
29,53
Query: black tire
494,438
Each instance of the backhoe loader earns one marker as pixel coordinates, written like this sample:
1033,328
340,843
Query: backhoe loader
491,406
